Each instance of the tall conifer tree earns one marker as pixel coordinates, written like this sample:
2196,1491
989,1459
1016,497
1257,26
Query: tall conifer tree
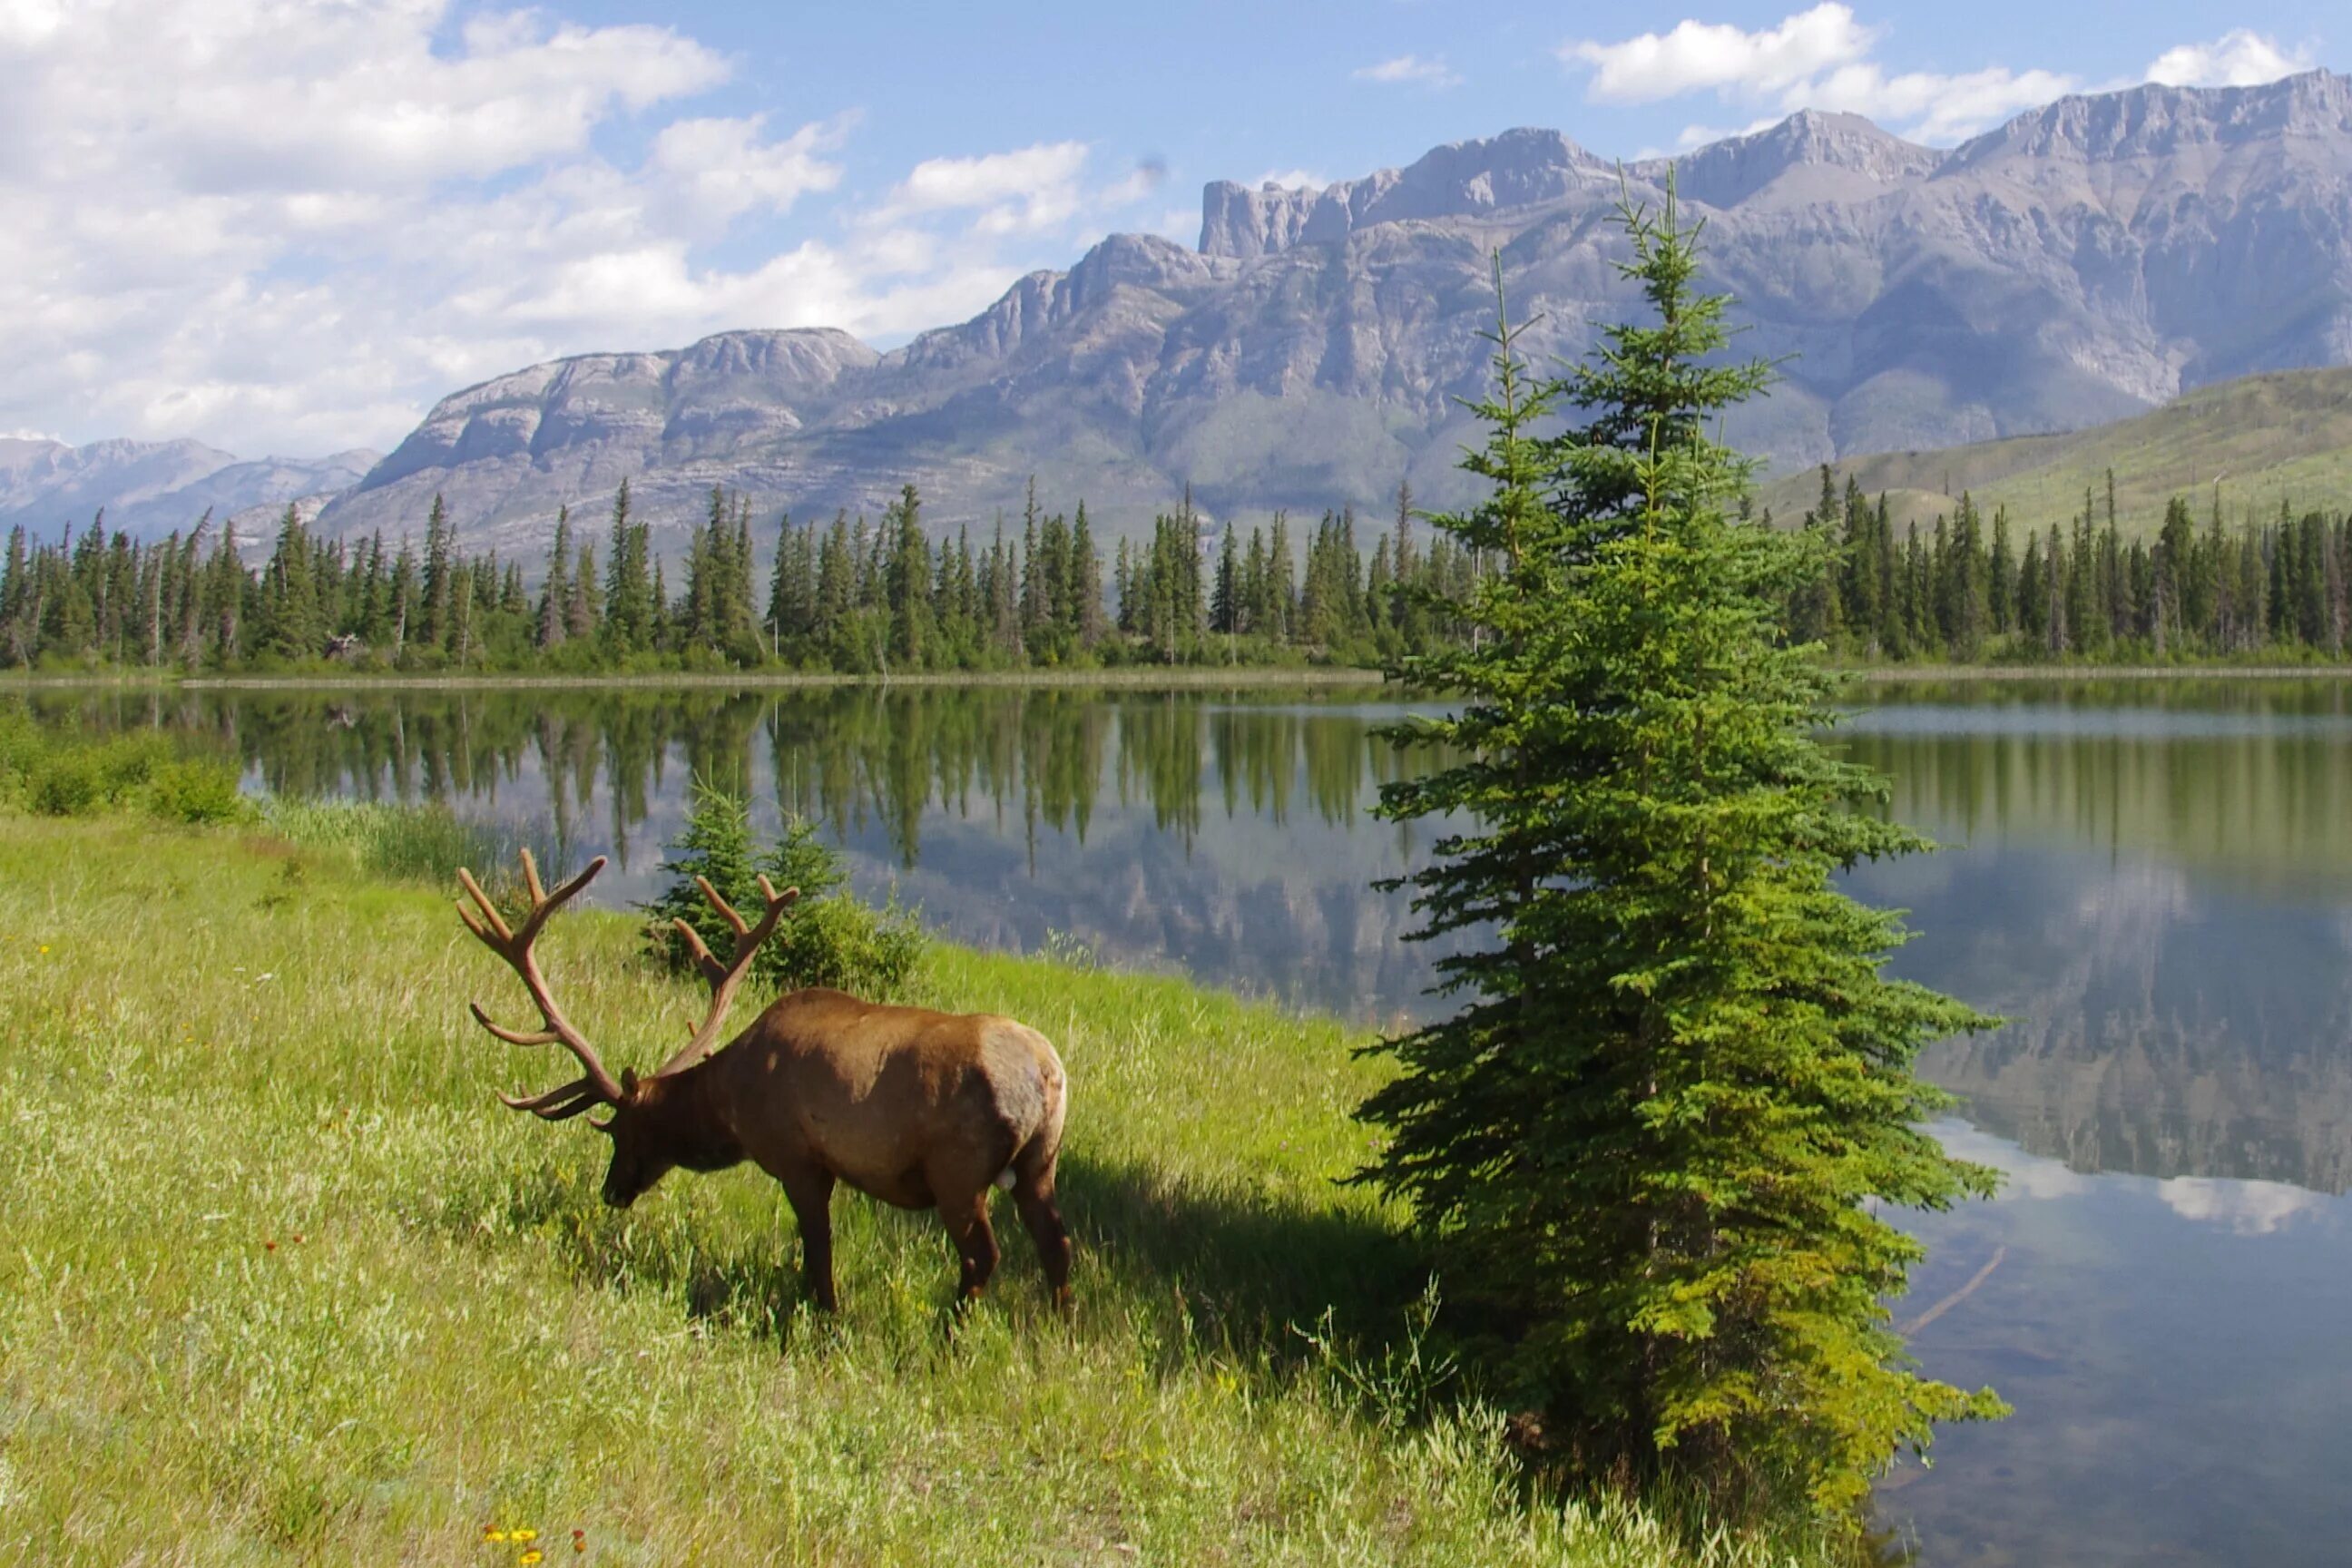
1656,1135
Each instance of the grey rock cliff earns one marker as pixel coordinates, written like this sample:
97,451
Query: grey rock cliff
2084,262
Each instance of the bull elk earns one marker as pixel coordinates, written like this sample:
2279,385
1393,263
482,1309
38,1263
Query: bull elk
920,1109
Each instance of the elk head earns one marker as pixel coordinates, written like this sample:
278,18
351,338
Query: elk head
647,1143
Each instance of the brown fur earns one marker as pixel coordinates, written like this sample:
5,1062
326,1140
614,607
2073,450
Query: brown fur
920,1109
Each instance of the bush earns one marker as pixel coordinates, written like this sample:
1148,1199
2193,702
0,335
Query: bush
66,784
829,938
197,791
75,778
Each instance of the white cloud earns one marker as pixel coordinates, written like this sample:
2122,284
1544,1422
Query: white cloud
1933,108
1696,56
1292,180
291,228
1700,135
2248,1209
1823,58
1819,59
1412,70
1032,187
2023,1175
2239,57
720,169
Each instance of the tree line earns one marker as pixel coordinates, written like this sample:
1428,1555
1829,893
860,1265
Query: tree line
857,597
1973,589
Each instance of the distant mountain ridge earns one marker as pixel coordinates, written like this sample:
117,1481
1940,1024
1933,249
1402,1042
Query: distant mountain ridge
2086,262
149,487
2256,443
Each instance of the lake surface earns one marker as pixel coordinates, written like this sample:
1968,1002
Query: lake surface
2152,881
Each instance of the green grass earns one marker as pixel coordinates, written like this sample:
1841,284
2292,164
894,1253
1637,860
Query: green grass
2286,435
282,1284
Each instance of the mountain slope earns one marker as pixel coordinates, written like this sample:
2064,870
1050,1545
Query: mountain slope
2086,262
149,487
2284,437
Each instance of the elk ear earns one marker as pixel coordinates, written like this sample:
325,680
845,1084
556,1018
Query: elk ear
629,1082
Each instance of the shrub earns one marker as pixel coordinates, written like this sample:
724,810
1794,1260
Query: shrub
66,784
68,777
196,791
830,937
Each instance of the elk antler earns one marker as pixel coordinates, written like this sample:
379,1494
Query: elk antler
596,1085
725,977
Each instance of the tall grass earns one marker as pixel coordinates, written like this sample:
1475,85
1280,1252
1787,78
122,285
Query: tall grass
422,844
282,1284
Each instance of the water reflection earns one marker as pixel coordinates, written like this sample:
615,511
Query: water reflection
1224,833
2160,896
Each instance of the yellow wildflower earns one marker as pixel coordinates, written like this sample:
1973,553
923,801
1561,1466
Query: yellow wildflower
524,1535
530,1557
489,1533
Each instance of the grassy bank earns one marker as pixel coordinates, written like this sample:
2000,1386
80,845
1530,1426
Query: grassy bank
282,1284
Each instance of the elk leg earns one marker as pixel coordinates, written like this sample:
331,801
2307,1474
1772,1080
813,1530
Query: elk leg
811,1195
1039,1213
975,1241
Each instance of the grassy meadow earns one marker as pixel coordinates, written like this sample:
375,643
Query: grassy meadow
281,1283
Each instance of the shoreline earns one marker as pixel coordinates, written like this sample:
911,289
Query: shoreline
1178,679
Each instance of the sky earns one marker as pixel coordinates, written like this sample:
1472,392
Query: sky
287,226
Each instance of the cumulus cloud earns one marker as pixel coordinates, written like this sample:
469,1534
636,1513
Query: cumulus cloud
2023,1175
1032,187
1824,59
1412,70
293,226
2248,1209
1292,180
1696,56
2238,58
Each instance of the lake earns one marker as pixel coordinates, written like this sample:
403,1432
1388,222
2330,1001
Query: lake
2152,881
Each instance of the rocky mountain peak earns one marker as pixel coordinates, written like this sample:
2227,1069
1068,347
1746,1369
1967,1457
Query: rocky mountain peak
1831,155
1519,169
2153,121
2084,262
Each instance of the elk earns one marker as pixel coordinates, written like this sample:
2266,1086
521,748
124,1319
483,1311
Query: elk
919,1109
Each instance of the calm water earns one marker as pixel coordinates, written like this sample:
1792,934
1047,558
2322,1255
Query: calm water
2153,882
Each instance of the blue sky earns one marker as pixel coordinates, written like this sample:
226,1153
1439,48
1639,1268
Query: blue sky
291,229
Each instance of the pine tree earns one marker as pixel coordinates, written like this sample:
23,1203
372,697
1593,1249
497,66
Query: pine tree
631,609
290,627
1656,1133
1224,598
1086,584
910,581
555,594
438,594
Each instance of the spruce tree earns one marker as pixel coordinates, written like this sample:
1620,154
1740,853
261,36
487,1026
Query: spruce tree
555,596
1654,1138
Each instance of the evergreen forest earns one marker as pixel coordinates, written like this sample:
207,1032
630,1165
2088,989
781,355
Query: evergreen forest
854,595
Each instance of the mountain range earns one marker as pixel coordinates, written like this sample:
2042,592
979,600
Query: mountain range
149,487
2086,262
